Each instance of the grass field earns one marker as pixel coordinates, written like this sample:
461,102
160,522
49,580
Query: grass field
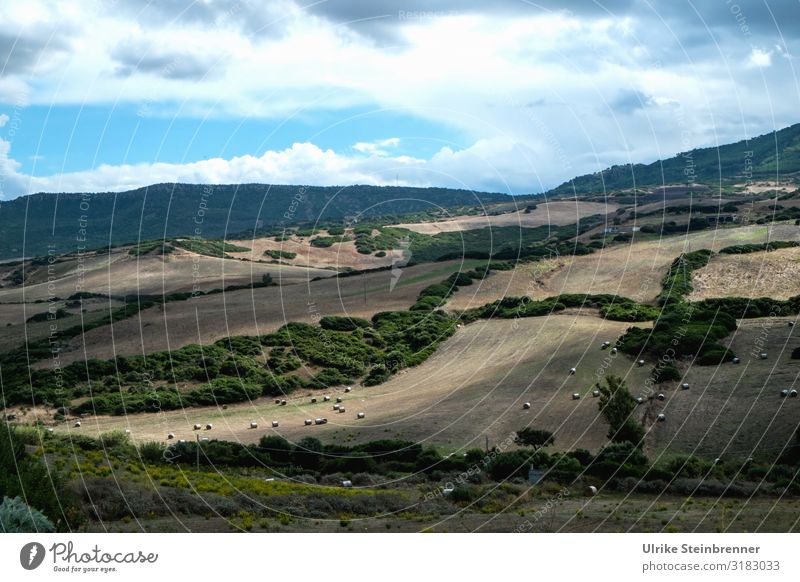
774,274
474,386
632,270
123,274
339,255
257,311
555,213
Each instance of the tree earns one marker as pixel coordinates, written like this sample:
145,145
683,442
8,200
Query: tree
533,437
16,517
616,405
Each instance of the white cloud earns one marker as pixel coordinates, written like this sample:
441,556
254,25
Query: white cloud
759,58
480,167
3,119
377,148
532,92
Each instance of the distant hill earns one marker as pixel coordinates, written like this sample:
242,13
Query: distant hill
772,156
30,224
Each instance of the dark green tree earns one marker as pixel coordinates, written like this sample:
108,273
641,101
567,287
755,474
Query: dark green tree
533,437
616,405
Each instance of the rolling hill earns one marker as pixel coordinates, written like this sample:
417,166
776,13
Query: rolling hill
774,156
63,223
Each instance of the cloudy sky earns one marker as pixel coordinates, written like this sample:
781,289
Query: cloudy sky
509,95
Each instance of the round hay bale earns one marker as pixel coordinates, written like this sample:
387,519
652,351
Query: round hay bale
77,424
326,398
313,401
274,424
360,415
170,436
661,418
526,405
283,403
793,393
641,363
590,491
763,355
341,410
572,371
338,399
661,397
595,393
613,350
639,400
685,386
209,426
253,425
336,406
348,389
784,393
576,396
197,427
735,360
309,422
277,401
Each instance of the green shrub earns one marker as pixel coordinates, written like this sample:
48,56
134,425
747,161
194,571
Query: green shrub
16,517
343,323
278,254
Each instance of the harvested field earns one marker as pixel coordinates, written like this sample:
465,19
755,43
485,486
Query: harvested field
338,256
632,270
473,386
257,311
774,274
735,410
556,213
123,274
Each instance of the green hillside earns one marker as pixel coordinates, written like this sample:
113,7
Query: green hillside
772,156
30,224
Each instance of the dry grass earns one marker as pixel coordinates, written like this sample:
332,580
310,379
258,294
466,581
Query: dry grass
122,274
339,255
251,312
473,386
555,213
632,270
735,410
774,274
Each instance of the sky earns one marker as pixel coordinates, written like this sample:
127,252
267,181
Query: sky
504,96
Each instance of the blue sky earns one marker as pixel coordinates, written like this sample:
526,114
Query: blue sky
73,138
508,96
